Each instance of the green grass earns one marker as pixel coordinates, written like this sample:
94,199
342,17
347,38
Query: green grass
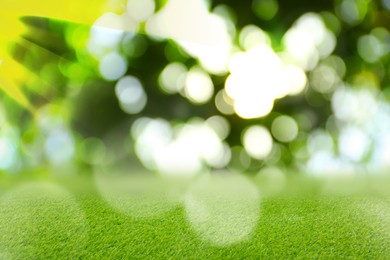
305,220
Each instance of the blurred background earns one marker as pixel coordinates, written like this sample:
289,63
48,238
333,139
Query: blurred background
180,87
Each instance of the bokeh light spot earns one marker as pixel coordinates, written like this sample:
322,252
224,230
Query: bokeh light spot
107,32
131,95
252,107
257,142
351,105
331,21
320,141
173,78
177,160
265,9
140,10
198,88
308,40
371,48
224,103
353,143
257,79
324,79
352,12
252,36
284,128
59,146
296,78
150,136
134,45
112,66
220,125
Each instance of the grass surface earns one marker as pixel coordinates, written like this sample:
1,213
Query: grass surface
72,220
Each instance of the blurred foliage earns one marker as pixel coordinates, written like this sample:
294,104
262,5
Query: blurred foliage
58,90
